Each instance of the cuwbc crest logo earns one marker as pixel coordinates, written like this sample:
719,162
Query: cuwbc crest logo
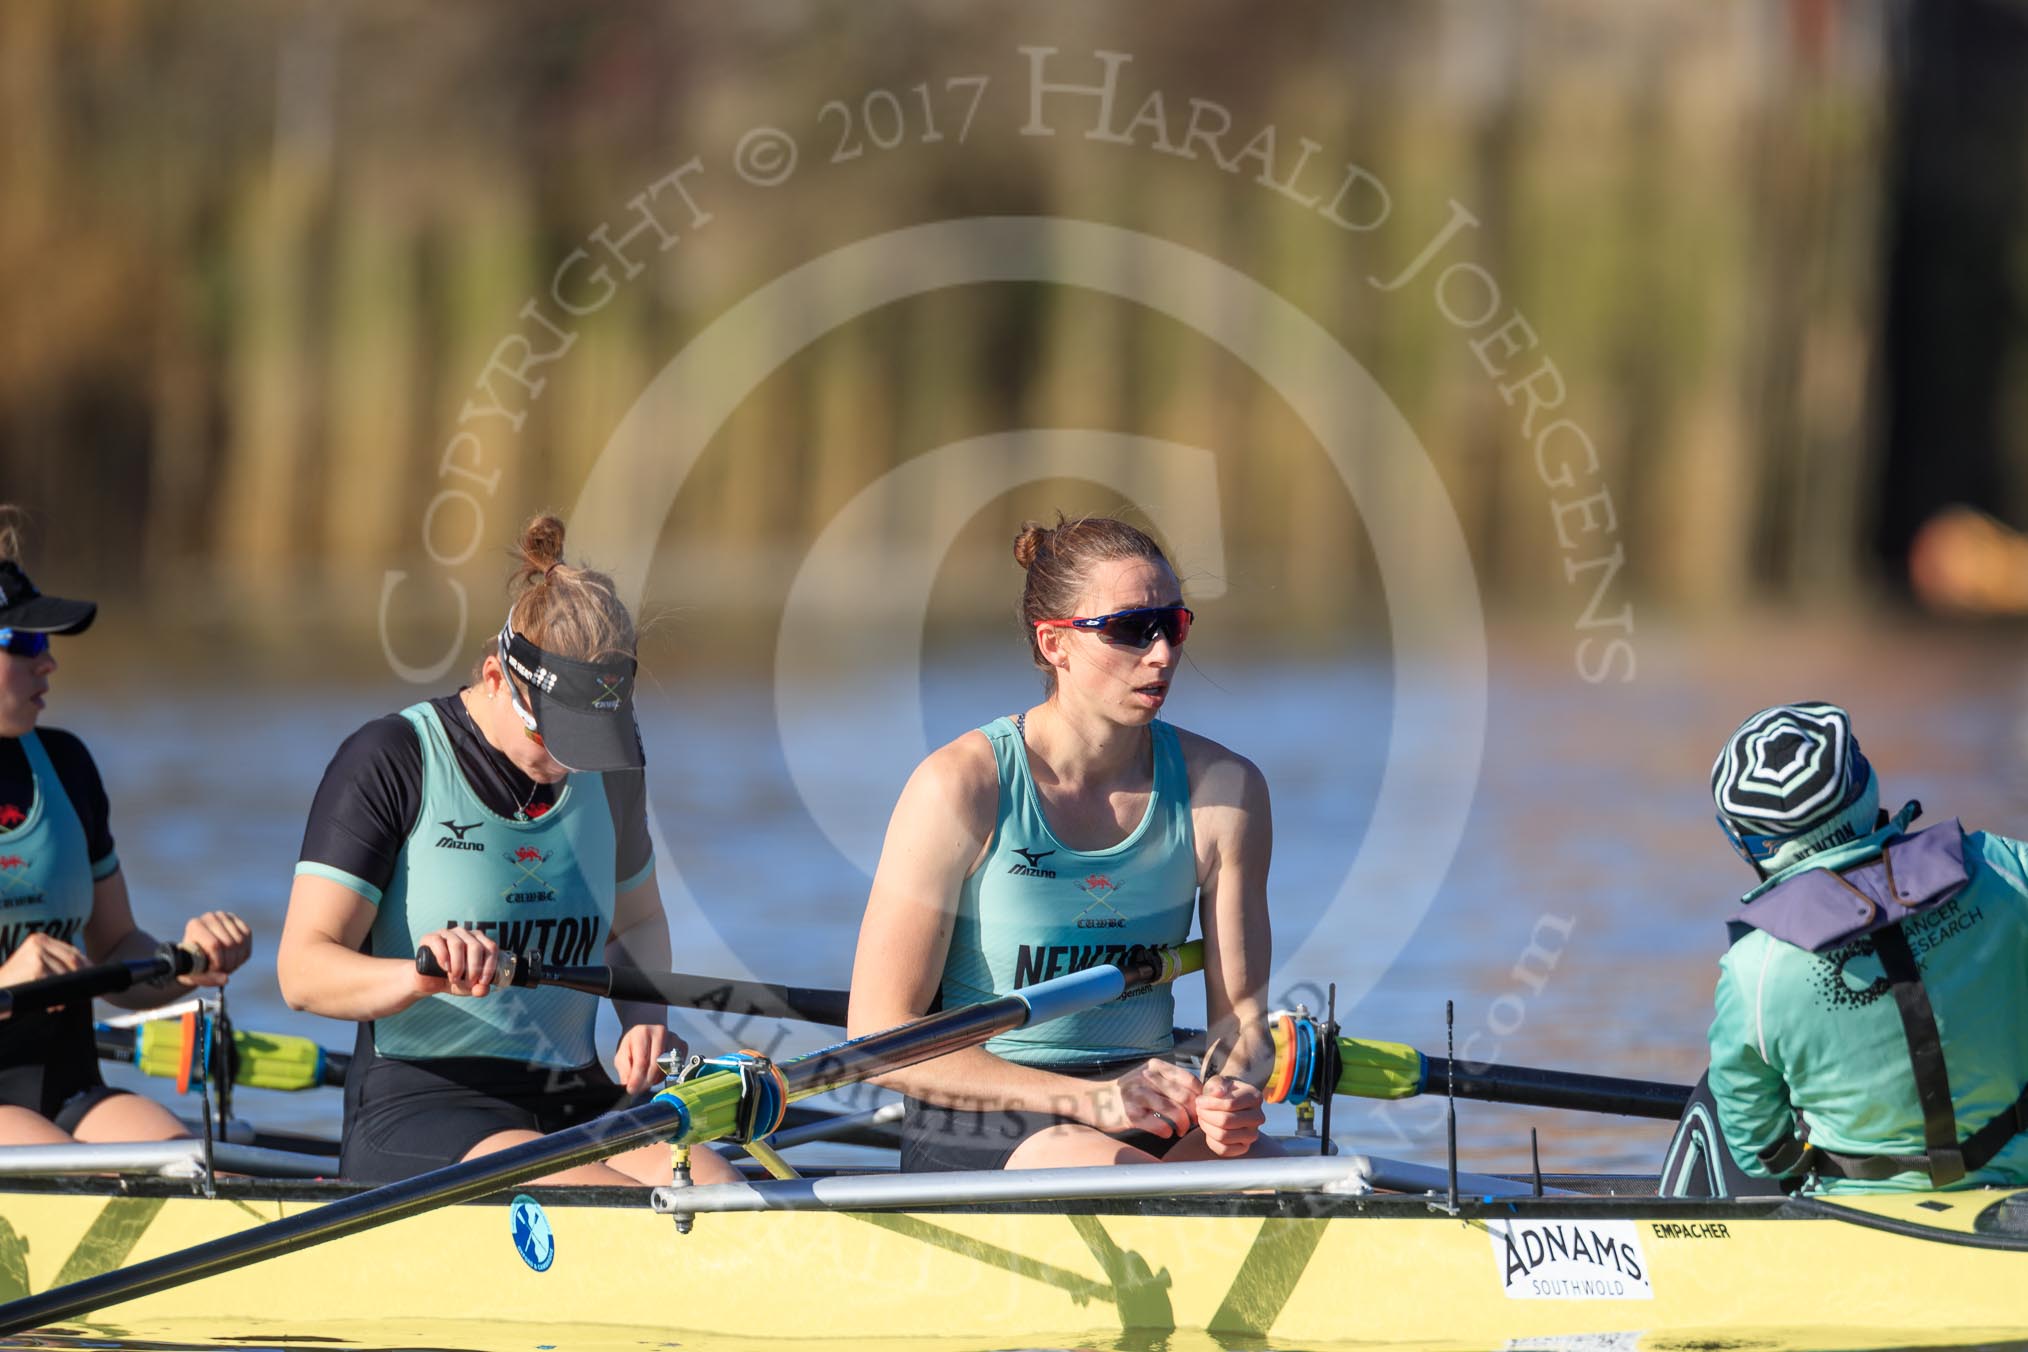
525,858
528,884
1101,914
13,869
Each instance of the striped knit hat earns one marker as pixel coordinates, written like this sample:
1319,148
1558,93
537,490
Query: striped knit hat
1792,781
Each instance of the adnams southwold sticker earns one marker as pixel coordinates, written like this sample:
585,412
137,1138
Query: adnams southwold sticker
1570,1260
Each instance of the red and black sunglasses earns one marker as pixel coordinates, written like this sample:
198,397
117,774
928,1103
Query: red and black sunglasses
1132,628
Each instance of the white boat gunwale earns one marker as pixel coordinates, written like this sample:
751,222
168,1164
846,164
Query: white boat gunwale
2001,1223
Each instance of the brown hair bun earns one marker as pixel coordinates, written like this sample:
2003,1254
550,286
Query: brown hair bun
540,547
1029,542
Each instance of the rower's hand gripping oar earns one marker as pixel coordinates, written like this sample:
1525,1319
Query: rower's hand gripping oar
110,978
712,994
1308,1065
711,1107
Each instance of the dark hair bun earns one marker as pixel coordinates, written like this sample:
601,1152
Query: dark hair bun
1029,542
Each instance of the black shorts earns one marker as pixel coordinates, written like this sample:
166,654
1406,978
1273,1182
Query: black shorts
49,1064
936,1139
404,1118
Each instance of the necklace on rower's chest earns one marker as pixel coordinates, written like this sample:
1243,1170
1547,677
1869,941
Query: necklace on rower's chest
522,808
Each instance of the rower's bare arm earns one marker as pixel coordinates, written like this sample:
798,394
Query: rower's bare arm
935,837
321,969
1234,825
640,938
111,935
938,834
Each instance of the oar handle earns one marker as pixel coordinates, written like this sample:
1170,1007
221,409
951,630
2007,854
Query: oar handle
516,969
109,978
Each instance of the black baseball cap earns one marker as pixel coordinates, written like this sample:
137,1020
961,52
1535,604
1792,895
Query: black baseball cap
583,710
24,608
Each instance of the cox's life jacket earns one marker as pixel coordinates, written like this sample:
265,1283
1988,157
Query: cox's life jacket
1821,910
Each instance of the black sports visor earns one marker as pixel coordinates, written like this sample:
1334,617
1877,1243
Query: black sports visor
584,710
23,607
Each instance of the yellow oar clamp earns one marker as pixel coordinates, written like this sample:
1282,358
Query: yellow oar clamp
169,1048
763,1092
1378,1070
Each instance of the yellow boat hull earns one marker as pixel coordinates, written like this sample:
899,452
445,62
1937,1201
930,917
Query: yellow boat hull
1365,1270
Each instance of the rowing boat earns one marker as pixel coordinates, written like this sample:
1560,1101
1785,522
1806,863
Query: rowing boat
1315,1250
1306,1251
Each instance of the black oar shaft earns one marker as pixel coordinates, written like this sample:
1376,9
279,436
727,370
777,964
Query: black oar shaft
1535,1088
758,998
716,995
87,983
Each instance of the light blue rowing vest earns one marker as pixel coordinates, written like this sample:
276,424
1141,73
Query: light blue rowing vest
1036,909
46,872
545,886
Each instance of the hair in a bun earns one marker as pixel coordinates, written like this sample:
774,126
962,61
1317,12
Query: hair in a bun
540,547
1059,560
560,608
1029,543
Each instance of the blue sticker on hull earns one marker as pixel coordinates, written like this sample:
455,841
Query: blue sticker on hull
533,1239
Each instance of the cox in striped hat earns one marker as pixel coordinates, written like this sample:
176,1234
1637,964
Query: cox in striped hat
1791,781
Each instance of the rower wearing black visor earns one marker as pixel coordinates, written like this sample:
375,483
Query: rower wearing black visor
510,814
63,895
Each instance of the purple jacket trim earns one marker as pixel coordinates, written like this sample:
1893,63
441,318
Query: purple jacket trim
1819,910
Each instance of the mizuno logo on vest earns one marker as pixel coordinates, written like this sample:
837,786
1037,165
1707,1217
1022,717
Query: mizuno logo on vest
446,843
1031,869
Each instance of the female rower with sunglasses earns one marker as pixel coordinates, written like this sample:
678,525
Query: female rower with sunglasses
63,897
510,814
1055,839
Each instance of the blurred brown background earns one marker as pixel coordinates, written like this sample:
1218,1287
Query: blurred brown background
254,258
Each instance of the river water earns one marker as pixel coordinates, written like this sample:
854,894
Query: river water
1578,925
